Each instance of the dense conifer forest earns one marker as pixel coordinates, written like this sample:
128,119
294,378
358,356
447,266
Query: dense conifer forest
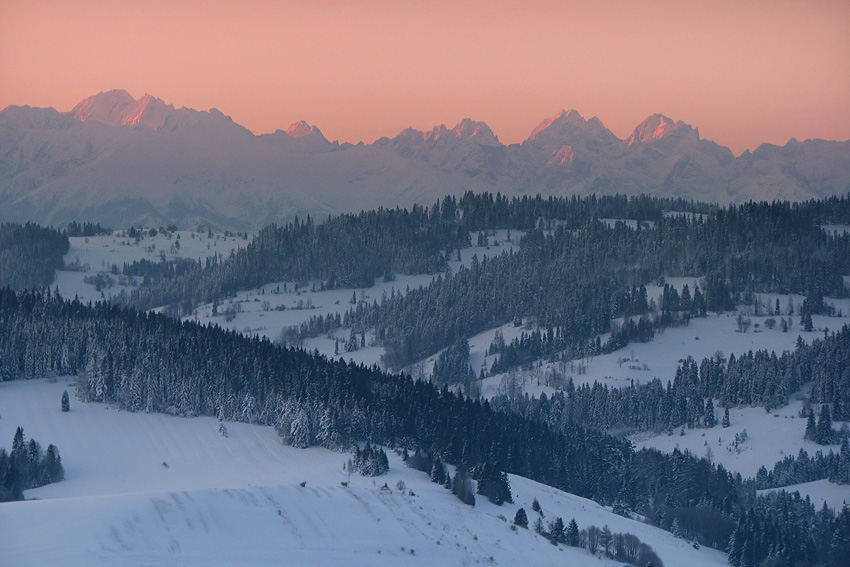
30,255
352,250
572,274
345,251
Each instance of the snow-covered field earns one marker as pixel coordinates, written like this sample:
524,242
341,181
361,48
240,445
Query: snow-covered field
702,338
237,500
92,255
770,438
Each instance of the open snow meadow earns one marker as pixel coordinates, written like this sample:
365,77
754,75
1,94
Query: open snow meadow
159,490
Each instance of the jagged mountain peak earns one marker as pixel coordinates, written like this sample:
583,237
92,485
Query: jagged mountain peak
301,129
566,119
466,129
658,126
118,108
480,132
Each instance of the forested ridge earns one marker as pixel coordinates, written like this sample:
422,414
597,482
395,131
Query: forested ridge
574,281
351,250
346,251
571,273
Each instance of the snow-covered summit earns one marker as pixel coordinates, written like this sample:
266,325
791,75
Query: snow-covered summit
564,120
465,130
119,108
301,129
658,126
479,132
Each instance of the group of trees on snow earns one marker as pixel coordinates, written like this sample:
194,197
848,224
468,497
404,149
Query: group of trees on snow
783,529
625,547
370,461
461,484
799,468
27,466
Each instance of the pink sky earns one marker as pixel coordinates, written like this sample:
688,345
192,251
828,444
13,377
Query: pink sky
743,72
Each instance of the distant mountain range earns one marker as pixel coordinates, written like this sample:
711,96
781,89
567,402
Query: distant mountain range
120,161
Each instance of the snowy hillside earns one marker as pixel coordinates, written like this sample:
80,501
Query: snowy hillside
161,490
119,160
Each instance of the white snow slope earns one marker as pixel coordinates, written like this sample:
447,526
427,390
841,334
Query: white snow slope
237,500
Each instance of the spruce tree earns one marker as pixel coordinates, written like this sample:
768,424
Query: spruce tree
572,533
806,322
558,531
521,519
605,537
52,466
538,526
710,419
66,403
811,427
725,422
824,434
843,476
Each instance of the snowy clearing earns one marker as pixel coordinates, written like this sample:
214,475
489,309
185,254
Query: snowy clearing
659,358
819,491
92,255
770,438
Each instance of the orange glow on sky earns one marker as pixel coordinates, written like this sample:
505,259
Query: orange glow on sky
743,72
